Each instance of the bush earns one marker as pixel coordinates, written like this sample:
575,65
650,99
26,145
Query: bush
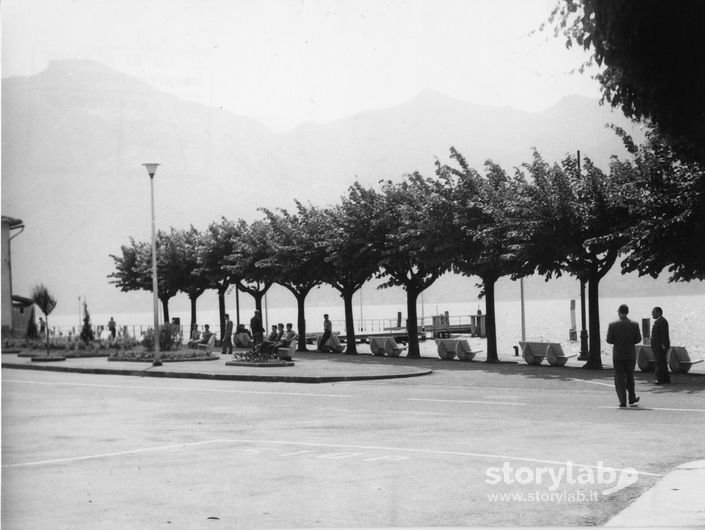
169,336
87,335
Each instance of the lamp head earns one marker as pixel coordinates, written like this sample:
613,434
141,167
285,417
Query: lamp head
151,168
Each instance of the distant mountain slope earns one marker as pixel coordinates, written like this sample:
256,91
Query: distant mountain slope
74,136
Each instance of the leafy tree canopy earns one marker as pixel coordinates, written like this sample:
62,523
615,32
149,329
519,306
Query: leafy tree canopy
652,61
669,227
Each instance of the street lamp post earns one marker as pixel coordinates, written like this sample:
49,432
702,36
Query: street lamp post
523,321
151,170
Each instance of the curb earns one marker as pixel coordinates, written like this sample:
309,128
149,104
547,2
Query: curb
216,377
675,500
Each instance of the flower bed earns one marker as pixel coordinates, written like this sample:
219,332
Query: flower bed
167,356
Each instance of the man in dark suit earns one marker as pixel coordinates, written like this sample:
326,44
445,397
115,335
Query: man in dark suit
660,343
256,328
227,335
623,334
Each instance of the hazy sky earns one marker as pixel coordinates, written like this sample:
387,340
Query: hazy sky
289,61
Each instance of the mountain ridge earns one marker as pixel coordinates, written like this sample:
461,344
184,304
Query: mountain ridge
75,136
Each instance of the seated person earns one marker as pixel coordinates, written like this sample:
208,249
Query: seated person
269,345
195,337
273,335
205,336
289,336
243,337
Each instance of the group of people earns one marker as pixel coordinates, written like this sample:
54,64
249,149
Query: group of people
197,337
624,334
279,337
246,338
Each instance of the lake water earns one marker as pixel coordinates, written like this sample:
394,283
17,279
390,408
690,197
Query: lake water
545,320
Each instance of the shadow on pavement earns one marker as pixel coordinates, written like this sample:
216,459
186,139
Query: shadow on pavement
511,365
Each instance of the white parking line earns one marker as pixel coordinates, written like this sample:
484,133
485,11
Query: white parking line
260,449
654,408
436,452
116,453
469,401
593,382
175,389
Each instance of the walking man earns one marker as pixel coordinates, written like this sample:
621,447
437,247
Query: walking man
623,334
660,343
227,335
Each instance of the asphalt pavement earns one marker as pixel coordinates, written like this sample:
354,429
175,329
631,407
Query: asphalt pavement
676,499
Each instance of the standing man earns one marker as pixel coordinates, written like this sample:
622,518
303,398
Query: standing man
256,328
327,331
623,334
660,343
112,328
227,335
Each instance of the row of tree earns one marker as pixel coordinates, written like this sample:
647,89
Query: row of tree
541,218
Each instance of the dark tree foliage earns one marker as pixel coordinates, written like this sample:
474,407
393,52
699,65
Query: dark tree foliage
652,61
133,267
87,335
250,247
488,212
351,256
407,230
196,281
46,302
173,270
580,223
296,259
215,259
669,211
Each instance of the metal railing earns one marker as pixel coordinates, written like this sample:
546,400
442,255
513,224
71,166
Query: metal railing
366,326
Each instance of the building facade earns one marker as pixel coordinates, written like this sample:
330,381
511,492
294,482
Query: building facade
9,224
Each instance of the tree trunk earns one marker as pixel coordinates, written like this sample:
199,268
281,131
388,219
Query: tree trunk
584,349
301,321
490,326
47,327
193,299
165,309
595,354
351,345
258,295
412,325
221,305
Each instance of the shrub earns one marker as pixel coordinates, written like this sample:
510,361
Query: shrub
169,336
87,331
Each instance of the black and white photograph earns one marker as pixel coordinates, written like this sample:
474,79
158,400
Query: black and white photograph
341,264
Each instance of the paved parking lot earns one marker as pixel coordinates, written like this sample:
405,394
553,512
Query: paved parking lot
467,445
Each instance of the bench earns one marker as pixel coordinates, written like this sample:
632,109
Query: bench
679,361
380,346
333,343
535,352
450,348
286,352
555,355
207,346
645,359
